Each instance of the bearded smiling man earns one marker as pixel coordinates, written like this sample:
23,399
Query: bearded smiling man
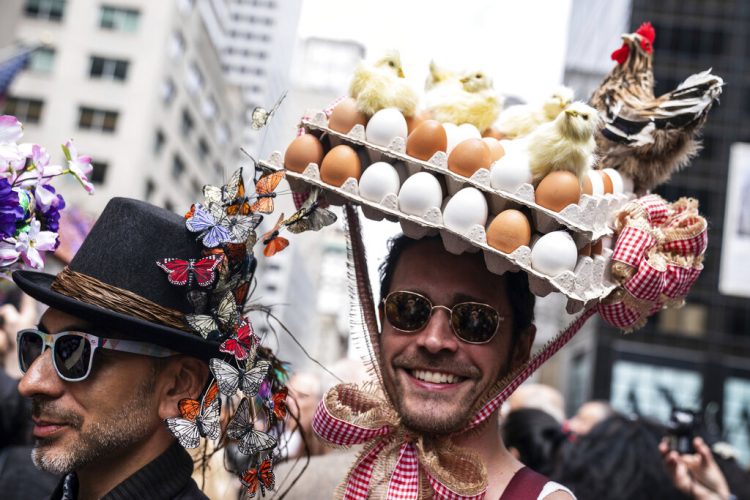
103,377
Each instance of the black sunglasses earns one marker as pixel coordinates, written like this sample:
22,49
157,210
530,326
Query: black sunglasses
73,352
472,322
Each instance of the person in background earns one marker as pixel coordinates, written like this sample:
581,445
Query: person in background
588,415
535,438
304,395
697,474
539,396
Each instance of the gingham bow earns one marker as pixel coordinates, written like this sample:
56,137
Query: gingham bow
657,258
349,415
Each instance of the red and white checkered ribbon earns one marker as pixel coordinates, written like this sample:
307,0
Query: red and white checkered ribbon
657,258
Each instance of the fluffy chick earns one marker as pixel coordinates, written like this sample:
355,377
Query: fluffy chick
382,85
566,143
518,121
474,101
440,76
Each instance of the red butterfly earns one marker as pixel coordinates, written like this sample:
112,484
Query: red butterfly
191,408
182,272
243,343
273,242
277,404
262,476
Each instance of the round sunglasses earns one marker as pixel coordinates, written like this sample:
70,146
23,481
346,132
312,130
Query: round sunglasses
471,322
73,352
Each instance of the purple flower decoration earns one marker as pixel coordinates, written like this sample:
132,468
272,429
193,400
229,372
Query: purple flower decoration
10,209
49,204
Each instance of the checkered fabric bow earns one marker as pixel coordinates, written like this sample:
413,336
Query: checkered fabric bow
350,415
657,258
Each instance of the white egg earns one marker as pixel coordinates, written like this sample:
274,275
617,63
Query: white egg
465,209
511,171
597,183
469,131
554,253
378,180
419,193
618,184
386,125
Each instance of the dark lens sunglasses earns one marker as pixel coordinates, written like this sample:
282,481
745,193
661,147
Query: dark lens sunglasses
73,352
471,322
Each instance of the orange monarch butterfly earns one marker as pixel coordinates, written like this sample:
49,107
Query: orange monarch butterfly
262,476
277,404
191,408
272,241
264,192
205,423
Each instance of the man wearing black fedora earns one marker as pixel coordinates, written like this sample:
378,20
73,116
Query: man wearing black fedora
111,358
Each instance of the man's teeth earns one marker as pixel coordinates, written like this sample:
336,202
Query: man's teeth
435,377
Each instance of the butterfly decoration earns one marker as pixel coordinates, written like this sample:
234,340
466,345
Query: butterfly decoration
191,408
261,116
261,476
196,421
241,428
229,379
210,224
264,192
276,404
272,241
243,344
225,315
311,216
184,272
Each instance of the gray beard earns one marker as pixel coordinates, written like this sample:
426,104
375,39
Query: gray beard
110,436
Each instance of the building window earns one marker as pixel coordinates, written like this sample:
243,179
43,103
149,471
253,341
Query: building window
187,124
26,110
176,45
41,60
195,79
159,140
150,189
222,133
178,167
108,69
168,91
119,19
209,108
99,172
169,205
97,119
48,10
197,187
203,149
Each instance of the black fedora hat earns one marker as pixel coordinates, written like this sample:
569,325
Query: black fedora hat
121,290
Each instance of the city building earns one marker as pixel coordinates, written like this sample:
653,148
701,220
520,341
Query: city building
137,85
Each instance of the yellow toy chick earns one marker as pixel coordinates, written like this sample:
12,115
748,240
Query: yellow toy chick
474,101
566,143
440,76
382,85
520,120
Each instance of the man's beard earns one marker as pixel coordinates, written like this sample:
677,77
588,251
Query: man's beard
110,435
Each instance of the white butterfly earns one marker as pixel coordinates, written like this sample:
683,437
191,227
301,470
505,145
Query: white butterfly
241,427
229,378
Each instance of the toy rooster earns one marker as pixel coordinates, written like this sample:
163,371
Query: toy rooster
644,137
473,101
521,119
382,85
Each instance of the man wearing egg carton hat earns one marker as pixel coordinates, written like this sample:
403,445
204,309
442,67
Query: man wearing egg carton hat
456,330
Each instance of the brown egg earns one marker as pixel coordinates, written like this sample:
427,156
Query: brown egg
339,164
497,150
426,140
493,132
587,187
558,190
345,116
609,188
509,230
412,122
302,151
469,156
597,247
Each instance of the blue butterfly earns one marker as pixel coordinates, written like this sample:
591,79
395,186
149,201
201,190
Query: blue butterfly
210,224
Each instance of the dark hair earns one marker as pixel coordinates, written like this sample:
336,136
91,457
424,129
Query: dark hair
516,284
618,459
537,436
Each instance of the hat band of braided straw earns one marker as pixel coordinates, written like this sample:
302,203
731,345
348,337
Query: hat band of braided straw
90,290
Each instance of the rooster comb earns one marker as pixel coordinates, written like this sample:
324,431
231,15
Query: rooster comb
646,30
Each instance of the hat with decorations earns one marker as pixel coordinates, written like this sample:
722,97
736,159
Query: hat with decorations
558,190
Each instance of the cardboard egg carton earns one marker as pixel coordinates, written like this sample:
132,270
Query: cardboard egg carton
587,283
588,220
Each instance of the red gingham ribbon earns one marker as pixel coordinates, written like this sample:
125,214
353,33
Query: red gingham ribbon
632,245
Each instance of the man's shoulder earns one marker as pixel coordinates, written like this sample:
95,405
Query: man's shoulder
191,492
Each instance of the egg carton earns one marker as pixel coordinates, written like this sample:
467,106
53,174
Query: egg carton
588,219
586,284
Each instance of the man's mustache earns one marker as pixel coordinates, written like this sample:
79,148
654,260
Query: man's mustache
45,409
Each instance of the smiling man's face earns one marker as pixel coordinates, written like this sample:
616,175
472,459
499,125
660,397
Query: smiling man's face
433,378
97,419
